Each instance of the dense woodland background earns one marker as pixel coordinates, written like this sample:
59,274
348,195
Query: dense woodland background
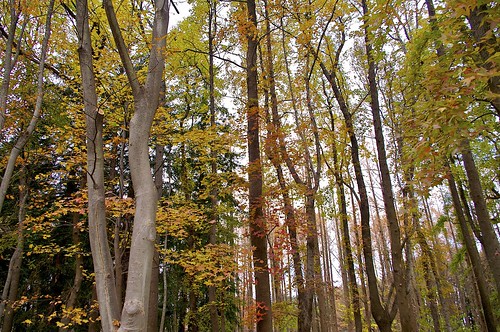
320,165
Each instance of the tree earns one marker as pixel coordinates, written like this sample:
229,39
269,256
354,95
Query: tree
258,231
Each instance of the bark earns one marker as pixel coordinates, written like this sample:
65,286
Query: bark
408,322
212,31
490,240
473,254
28,132
487,43
258,230
8,63
164,295
9,294
146,100
103,264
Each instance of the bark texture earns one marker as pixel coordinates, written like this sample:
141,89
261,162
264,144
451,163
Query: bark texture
258,231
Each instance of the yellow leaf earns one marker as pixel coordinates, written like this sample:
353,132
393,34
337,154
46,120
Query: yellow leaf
27,322
59,324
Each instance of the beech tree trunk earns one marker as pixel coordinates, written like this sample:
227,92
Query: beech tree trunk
101,256
146,100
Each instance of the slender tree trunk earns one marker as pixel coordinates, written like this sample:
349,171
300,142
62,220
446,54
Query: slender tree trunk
475,259
487,44
94,312
346,242
26,134
212,25
8,62
408,322
103,264
118,251
358,245
155,269
105,285
258,231
380,314
490,240
164,295
9,295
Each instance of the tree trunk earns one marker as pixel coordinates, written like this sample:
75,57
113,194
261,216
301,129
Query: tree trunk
258,231
408,322
490,240
146,100
9,295
212,25
8,63
475,259
345,239
487,45
380,314
26,134
103,264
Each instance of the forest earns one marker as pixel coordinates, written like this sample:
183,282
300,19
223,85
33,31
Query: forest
249,165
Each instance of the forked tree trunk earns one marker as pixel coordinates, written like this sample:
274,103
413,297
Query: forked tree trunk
146,100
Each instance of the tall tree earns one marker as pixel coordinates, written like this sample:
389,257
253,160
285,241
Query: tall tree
146,100
103,265
258,229
398,268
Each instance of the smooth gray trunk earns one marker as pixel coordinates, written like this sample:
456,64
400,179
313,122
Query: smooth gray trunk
101,256
146,100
